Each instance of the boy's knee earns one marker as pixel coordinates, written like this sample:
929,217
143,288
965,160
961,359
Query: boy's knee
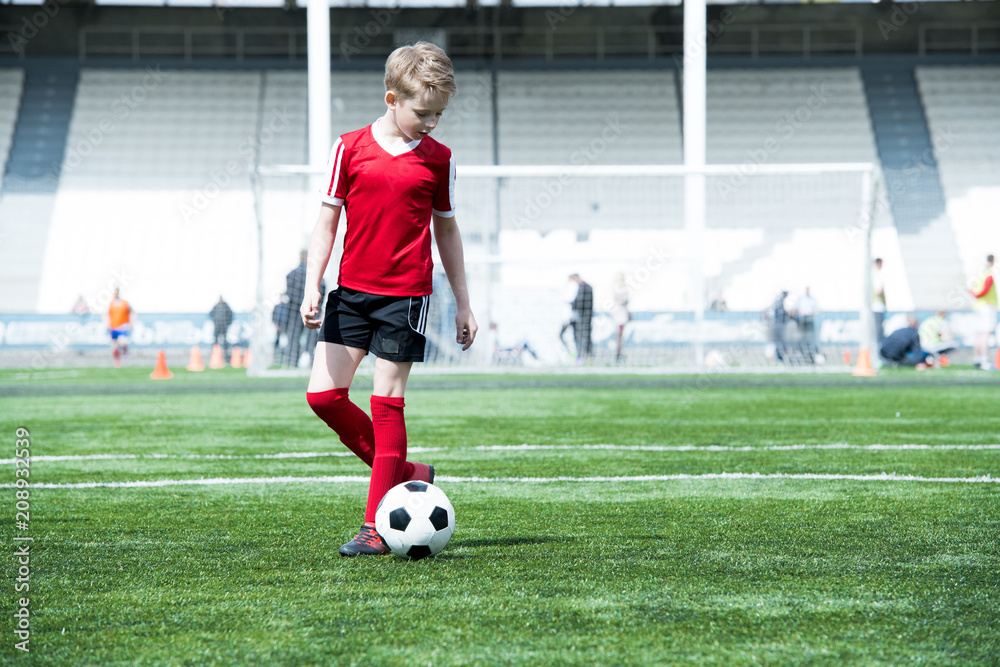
323,402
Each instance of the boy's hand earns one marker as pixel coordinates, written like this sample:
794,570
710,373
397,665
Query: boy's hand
466,328
310,309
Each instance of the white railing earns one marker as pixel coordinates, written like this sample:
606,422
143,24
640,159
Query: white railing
599,43
966,37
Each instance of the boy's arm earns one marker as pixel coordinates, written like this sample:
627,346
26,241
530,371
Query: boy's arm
320,247
449,243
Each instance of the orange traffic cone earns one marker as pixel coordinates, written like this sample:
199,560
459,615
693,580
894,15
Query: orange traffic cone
847,358
236,359
943,360
864,367
246,358
161,372
216,361
195,365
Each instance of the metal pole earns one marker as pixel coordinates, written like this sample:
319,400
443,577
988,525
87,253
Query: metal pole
694,158
318,35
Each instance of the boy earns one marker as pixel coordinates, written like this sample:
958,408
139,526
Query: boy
392,181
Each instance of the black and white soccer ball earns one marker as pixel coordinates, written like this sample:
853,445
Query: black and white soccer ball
415,519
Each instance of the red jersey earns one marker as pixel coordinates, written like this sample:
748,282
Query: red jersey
388,201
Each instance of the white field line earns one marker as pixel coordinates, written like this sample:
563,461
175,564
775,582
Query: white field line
727,448
344,479
517,448
199,457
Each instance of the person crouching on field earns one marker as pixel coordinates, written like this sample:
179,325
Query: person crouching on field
392,181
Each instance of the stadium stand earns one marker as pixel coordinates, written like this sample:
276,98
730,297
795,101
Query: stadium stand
194,201
193,205
38,141
911,176
803,115
755,116
961,105
551,117
810,115
155,181
11,83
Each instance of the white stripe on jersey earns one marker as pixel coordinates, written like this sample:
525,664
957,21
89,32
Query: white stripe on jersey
451,184
333,171
451,192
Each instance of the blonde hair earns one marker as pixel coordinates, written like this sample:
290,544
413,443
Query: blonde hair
423,66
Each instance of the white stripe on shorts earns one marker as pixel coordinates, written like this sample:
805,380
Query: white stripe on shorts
422,318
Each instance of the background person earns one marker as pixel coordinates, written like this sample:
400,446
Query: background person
902,346
295,287
581,320
620,312
984,291
878,301
806,311
221,316
119,327
778,316
935,334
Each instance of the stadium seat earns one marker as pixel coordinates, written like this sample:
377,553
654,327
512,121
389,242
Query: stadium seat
961,106
11,83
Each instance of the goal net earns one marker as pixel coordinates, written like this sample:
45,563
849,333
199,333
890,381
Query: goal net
670,286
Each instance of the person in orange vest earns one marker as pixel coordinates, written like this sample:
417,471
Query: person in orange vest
984,290
119,326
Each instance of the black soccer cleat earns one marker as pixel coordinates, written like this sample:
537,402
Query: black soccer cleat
366,543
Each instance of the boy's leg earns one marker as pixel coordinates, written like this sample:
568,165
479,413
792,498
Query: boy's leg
327,394
390,430
390,451
334,366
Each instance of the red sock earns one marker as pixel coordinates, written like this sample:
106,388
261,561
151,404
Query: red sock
390,450
348,420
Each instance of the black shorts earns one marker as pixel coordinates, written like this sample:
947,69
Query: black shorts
390,327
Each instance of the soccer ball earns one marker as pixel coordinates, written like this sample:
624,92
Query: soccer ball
415,520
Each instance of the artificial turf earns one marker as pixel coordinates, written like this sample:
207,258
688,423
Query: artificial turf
599,568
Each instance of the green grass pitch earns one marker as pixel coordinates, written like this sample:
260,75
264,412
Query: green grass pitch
642,554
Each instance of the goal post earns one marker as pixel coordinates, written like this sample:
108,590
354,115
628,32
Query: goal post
768,228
